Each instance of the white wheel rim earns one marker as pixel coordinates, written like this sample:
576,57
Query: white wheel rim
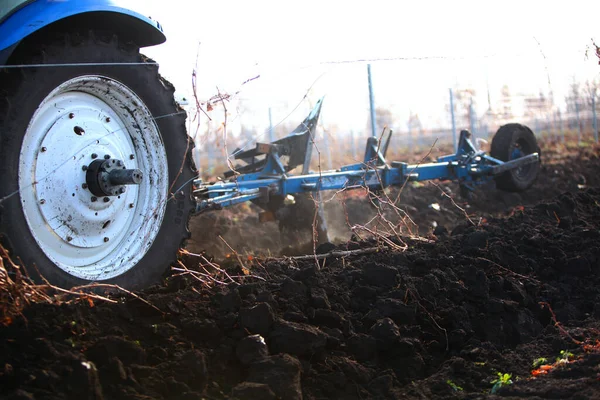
86,116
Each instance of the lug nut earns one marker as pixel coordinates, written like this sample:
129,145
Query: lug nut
85,167
106,239
119,163
44,149
94,198
121,190
94,155
131,205
69,238
84,185
131,156
42,201
107,119
106,199
71,115
106,156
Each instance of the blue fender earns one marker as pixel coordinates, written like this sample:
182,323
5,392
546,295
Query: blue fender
36,15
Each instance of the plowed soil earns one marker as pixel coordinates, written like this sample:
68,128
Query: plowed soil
513,285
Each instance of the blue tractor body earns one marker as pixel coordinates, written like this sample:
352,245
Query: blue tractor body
19,19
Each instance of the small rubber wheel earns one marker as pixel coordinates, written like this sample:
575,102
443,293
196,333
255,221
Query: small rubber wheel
61,214
513,141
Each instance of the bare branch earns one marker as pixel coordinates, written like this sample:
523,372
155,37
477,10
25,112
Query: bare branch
336,253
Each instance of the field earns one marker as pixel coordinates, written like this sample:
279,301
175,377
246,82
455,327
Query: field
497,296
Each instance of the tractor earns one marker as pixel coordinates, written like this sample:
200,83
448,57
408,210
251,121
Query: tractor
98,182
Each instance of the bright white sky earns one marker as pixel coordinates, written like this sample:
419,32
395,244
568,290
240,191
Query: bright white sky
292,44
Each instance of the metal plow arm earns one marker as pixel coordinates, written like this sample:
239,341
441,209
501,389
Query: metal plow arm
259,180
297,147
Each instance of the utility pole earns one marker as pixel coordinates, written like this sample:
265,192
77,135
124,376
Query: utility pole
271,133
578,121
371,102
453,118
595,120
472,118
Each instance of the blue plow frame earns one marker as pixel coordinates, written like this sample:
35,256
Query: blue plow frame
260,180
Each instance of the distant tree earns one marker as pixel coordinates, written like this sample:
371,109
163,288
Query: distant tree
573,98
505,103
593,48
591,90
463,100
538,105
414,124
383,117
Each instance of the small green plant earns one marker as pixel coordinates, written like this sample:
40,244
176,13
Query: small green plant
565,356
539,361
501,381
454,386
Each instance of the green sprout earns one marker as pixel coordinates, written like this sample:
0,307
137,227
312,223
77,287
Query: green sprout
454,386
565,356
501,381
539,361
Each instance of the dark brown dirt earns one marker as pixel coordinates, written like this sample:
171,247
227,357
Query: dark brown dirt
439,320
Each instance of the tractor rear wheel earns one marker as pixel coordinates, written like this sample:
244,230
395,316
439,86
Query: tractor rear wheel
513,141
95,161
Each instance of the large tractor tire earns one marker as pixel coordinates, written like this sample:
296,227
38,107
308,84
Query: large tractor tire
513,141
94,162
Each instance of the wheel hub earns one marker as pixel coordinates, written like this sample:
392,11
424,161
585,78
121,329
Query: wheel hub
518,152
109,177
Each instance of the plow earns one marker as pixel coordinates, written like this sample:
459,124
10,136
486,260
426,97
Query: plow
98,182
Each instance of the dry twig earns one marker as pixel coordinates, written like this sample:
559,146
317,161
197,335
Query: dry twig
562,330
16,293
336,253
508,270
234,252
416,300
454,203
